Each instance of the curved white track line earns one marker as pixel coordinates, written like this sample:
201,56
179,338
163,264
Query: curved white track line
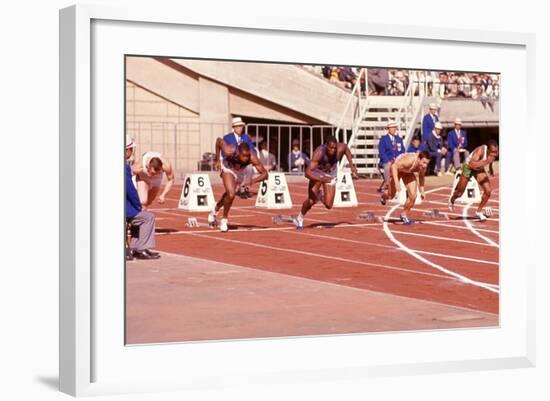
487,286
472,229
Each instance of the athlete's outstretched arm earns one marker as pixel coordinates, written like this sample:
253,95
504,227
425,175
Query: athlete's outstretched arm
421,174
169,171
347,152
259,166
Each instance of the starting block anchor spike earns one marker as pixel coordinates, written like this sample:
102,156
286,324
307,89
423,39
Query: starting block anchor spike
369,217
192,222
279,219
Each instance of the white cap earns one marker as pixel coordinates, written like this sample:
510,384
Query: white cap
433,106
130,142
237,121
391,124
438,125
458,121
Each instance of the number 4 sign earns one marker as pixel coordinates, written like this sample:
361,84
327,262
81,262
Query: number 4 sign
196,195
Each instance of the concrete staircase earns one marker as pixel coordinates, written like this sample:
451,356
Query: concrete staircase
369,125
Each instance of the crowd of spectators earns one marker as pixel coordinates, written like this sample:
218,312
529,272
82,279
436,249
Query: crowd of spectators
394,82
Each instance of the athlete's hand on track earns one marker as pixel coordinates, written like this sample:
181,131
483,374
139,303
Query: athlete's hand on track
422,195
161,200
354,174
217,165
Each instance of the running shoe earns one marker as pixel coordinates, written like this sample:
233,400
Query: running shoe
223,226
481,216
212,221
383,200
299,222
406,220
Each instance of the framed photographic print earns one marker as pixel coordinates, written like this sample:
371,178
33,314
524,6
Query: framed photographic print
279,201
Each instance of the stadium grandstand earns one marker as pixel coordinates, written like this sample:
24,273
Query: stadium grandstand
180,106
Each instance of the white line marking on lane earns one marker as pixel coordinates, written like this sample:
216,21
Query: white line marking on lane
398,249
487,286
329,283
327,257
472,229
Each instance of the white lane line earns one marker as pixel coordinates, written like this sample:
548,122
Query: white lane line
448,223
318,255
398,249
437,237
472,229
322,282
487,286
456,205
448,195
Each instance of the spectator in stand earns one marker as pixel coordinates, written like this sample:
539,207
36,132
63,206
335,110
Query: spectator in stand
326,70
434,145
414,146
390,146
458,144
346,75
266,158
377,80
428,122
297,159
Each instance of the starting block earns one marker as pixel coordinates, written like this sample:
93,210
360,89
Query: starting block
280,219
370,217
192,222
197,195
345,191
273,193
488,211
436,214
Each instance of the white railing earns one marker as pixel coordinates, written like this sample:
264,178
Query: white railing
357,98
407,113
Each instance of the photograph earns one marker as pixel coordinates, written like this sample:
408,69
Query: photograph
271,200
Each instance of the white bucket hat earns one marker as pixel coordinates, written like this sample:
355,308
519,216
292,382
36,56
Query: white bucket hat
433,106
130,142
237,121
458,121
391,124
438,125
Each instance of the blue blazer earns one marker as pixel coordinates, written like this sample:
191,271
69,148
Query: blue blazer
133,204
231,140
388,151
428,126
433,144
412,149
453,140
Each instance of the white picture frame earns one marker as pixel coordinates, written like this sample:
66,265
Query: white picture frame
84,355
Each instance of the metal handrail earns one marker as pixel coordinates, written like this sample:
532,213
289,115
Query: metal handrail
356,91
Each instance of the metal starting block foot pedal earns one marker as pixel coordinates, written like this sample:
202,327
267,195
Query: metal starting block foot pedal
370,217
192,222
488,211
281,218
436,214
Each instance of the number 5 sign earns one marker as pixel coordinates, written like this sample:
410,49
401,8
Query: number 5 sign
273,193
196,195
